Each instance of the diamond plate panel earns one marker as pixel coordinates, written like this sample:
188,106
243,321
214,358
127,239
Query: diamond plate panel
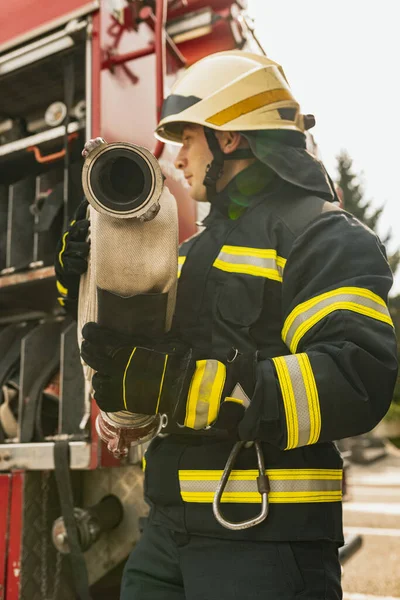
114,546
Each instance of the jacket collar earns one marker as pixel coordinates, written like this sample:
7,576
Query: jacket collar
241,191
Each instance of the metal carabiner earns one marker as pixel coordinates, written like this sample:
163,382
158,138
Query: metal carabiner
262,484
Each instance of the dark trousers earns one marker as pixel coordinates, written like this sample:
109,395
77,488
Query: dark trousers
166,565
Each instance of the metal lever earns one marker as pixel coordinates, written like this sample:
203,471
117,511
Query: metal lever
262,484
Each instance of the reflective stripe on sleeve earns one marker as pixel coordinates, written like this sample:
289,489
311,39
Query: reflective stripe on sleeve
307,314
205,393
251,261
286,485
300,399
181,260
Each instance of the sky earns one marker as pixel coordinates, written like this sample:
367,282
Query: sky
341,59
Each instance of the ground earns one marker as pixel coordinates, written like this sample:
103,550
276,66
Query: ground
373,511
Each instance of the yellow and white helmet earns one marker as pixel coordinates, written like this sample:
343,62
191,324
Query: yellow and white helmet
231,91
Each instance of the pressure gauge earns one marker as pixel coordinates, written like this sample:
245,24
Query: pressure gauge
55,114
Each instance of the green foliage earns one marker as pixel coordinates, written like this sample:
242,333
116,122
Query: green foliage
355,203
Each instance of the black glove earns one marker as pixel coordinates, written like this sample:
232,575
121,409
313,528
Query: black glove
71,259
138,375
237,393
162,377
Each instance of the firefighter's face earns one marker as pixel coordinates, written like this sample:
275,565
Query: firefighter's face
193,158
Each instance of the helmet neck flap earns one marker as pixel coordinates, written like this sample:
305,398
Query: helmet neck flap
216,167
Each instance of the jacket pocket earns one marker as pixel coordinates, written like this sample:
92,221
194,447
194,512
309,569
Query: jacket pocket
240,300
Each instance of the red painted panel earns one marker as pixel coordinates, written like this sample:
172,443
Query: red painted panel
5,484
15,536
219,40
17,17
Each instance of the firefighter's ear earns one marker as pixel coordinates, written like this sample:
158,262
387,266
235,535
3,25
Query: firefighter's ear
229,141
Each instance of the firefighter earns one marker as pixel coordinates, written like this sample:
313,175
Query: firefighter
282,342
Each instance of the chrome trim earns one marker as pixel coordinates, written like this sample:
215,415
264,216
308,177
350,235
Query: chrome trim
40,456
55,37
38,138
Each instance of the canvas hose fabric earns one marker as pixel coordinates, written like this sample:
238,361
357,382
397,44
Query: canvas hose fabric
150,266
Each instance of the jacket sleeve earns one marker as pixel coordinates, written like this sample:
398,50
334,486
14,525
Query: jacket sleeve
338,376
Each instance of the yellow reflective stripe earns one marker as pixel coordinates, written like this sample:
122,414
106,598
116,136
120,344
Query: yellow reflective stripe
286,485
63,290
193,394
255,497
237,400
247,270
257,252
205,393
306,326
300,399
124,379
61,301
162,383
181,260
251,261
307,314
243,107
289,401
312,398
250,474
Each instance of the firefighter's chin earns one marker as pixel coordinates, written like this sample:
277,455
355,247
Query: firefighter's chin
122,430
197,190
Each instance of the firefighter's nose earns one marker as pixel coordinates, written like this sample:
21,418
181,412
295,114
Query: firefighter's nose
180,161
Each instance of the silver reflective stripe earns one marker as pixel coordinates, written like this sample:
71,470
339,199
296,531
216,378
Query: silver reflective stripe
307,314
251,261
181,262
276,486
238,395
286,485
204,394
300,399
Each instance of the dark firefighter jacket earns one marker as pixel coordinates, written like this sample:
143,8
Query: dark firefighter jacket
305,284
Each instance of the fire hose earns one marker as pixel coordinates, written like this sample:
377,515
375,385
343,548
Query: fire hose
130,284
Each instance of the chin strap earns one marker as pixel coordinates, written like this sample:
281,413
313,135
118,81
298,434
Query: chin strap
216,167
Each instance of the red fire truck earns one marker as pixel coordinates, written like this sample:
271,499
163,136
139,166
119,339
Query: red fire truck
72,70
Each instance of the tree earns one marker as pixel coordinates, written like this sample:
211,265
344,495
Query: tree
352,193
